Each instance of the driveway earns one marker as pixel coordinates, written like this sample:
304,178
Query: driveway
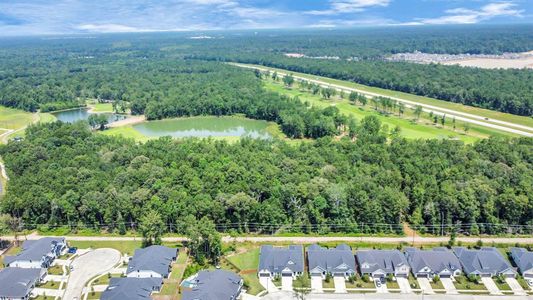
405,287
340,284
268,284
286,283
382,289
87,266
425,286
491,286
515,286
316,284
449,286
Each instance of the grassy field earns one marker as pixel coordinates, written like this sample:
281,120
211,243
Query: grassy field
423,128
17,120
125,247
528,121
127,132
101,107
247,263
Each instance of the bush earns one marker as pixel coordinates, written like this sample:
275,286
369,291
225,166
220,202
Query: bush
365,278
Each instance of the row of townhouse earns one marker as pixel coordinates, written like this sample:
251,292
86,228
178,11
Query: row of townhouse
144,274
340,261
28,268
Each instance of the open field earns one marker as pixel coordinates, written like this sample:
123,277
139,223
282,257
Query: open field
424,128
14,121
495,117
494,63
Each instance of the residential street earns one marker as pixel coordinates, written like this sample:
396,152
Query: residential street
88,265
327,296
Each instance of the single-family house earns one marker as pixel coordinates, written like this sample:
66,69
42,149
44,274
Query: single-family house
380,263
131,288
428,263
17,283
485,262
37,254
524,261
152,261
338,261
278,261
213,284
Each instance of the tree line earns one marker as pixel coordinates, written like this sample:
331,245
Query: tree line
62,174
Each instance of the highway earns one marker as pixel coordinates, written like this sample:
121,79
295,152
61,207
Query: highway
459,116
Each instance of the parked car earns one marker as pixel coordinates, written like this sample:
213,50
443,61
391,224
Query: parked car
378,283
72,250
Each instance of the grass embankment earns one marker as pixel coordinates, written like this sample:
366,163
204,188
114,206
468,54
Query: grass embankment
522,120
410,128
246,261
125,247
172,284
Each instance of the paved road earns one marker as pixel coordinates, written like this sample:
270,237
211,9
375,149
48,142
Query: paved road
87,266
373,296
459,116
308,239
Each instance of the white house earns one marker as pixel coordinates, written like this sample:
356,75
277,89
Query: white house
151,262
428,263
338,261
37,254
380,263
277,261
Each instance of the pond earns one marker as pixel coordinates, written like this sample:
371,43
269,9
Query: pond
205,127
78,114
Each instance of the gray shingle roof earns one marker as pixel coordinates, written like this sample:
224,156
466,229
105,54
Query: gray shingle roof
386,260
18,282
154,258
275,259
214,285
131,288
339,259
484,261
438,260
523,259
34,250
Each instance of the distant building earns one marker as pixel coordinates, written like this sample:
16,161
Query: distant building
380,263
153,261
131,288
37,254
213,284
17,283
524,260
339,261
277,261
486,262
428,263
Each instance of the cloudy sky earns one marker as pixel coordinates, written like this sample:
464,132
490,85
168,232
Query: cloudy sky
32,17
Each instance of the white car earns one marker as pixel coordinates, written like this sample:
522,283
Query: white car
529,282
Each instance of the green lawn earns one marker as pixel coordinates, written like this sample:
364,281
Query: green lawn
14,118
462,283
246,261
94,295
169,288
51,285
423,128
104,280
436,285
11,251
125,247
101,107
420,99
502,284
55,270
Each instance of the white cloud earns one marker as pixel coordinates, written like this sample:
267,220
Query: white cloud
106,28
470,16
348,6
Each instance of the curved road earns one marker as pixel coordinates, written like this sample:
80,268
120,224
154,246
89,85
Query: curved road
460,116
87,266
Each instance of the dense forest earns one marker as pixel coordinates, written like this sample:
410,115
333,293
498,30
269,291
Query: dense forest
59,73
64,174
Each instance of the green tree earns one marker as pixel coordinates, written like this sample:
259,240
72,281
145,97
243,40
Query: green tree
203,239
301,287
288,80
151,227
418,111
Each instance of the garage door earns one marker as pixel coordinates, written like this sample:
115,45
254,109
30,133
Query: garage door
286,274
445,276
264,274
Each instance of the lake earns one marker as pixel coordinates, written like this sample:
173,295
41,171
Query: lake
78,114
205,127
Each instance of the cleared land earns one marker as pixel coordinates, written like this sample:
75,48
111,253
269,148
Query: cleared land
14,121
494,63
474,115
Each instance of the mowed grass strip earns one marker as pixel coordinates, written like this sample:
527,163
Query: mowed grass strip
491,114
423,128
125,247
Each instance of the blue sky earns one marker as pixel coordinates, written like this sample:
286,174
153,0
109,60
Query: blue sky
33,17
